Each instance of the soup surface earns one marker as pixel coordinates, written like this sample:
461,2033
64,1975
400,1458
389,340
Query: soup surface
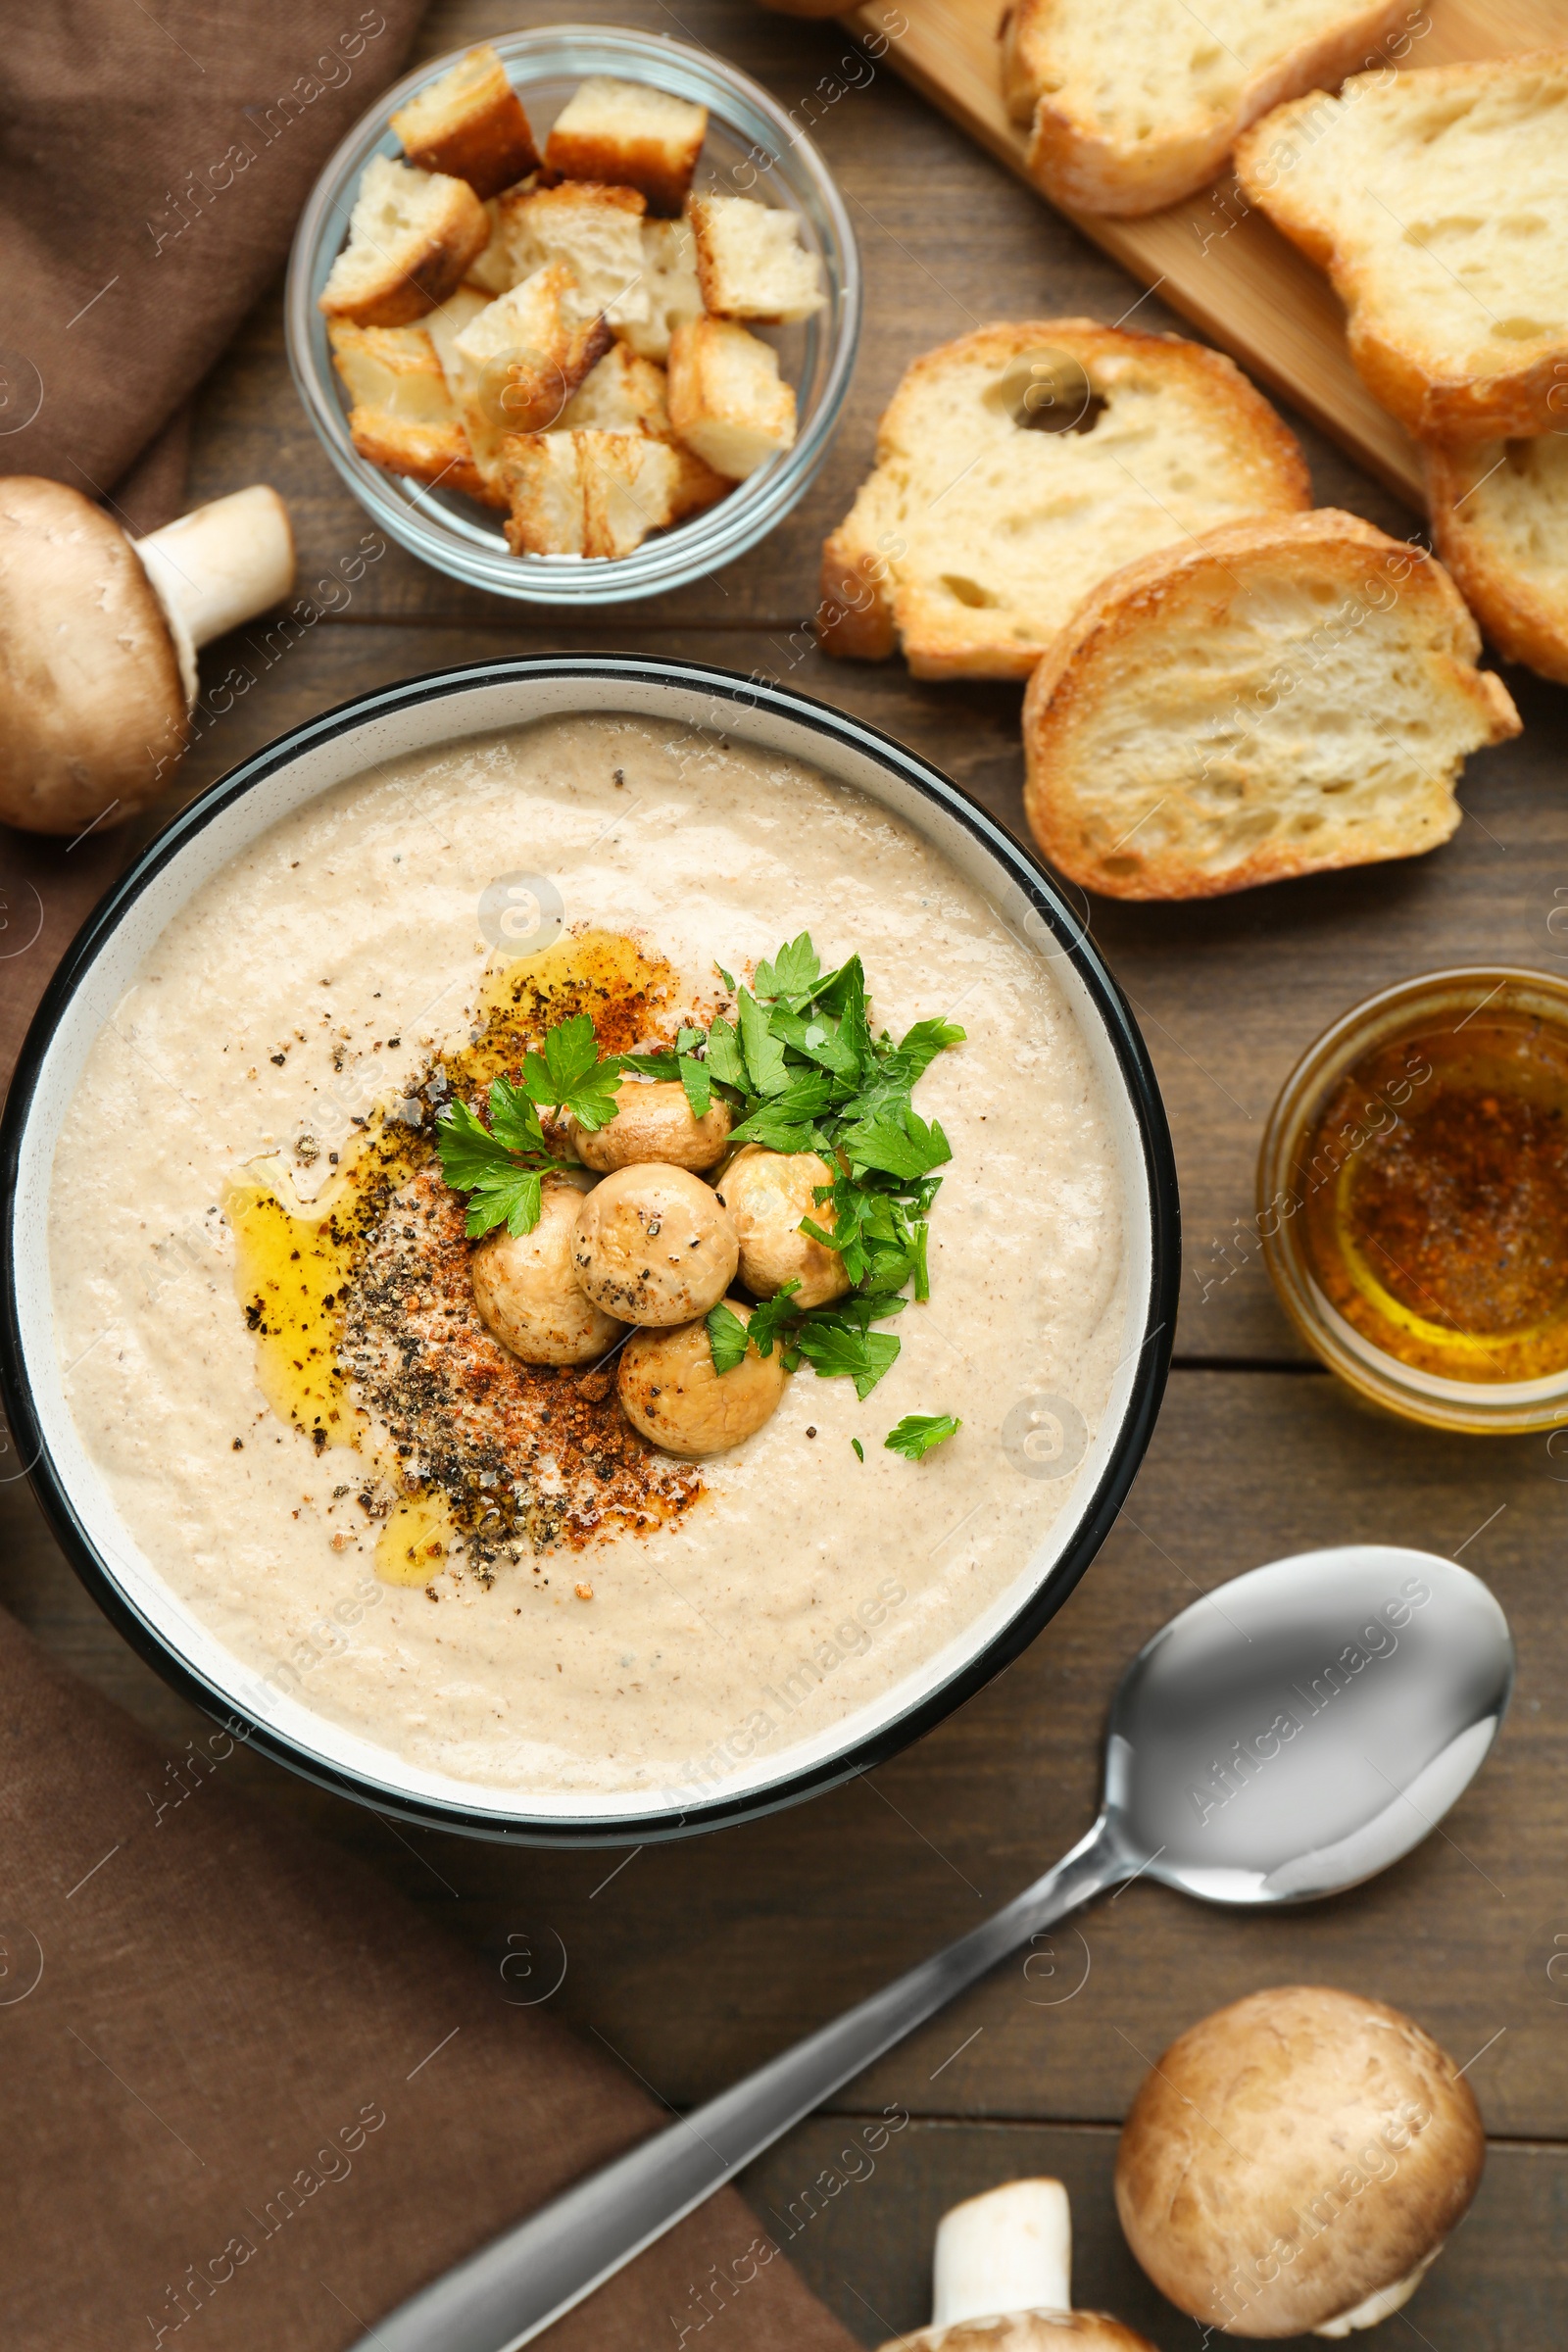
262,1291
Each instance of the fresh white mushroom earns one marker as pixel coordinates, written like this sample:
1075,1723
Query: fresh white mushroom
1296,2160
98,641
653,1121
768,1194
653,1244
528,1294
669,1389
1003,2280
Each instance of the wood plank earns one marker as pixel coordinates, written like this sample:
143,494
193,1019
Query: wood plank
1220,264
697,1961
863,2220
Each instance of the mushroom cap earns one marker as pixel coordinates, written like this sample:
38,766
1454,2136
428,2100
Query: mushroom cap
768,1194
1027,2331
669,1389
529,1296
92,711
1290,2156
653,1244
653,1122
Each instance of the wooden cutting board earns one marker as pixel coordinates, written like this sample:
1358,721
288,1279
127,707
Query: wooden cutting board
1218,264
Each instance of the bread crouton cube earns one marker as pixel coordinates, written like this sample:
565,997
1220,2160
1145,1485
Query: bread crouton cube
411,235
596,231
630,135
670,275
624,394
403,415
521,360
492,271
726,400
587,493
750,262
470,125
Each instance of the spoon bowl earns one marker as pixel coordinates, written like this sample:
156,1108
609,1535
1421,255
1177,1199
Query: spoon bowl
1307,1724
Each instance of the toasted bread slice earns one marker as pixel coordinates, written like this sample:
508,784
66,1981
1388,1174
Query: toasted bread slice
596,232
750,262
403,417
979,532
1275,698
726,398
629,136
1134,106
669,274
411,235
517,364
1499,515
1438,203
588,493
470,125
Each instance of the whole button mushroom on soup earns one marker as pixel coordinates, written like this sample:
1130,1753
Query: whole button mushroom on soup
768,1194
669,1389
528,1294
653,1244
653,1121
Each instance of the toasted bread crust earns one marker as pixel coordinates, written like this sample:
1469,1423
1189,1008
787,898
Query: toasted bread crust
629,136
1194,582
1077,164
1524,620
469,124
429,453
1416,381
868,593
403,293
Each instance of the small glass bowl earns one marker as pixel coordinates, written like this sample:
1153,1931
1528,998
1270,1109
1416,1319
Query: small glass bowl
1498,1408
753,149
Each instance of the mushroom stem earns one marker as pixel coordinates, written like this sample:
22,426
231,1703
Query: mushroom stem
1009,2250
217,566
1383,2305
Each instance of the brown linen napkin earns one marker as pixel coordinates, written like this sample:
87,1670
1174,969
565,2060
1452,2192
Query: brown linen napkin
251,2099
249,2094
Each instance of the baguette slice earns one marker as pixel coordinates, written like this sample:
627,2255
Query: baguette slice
519,362
726,398
1275,698
588,493
411,235
1137,106
596,231
1438,203
1499,515
978,534
750,262
403,417
669,274
470,125
629,136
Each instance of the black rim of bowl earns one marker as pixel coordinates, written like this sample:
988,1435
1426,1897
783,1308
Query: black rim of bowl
743,694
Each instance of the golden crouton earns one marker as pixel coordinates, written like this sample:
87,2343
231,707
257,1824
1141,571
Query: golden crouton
726,400
750,262
626,135
626,394
587,493
670,275
470,124
411,235
521,360
596,231
403,417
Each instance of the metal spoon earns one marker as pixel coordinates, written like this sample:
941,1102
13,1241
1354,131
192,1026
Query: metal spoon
1289,1735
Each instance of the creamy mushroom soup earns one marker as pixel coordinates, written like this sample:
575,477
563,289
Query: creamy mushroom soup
265,1297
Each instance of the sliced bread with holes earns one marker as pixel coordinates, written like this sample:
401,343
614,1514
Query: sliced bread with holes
1276,698
411,235
1134,106
1019,465
1499,515
1438,203
470,125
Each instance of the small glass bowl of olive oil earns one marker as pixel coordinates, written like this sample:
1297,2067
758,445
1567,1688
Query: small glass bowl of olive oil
1412,1194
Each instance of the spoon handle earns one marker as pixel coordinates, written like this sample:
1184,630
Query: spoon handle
520,2283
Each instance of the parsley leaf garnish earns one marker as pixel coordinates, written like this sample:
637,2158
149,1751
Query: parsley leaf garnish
859,1449
775,1316
918,1433
897,1141
570,1075
726,1338
838,1350
500,1166
765,1052
794,971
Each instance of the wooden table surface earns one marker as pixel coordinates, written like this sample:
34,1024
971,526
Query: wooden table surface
697,1961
